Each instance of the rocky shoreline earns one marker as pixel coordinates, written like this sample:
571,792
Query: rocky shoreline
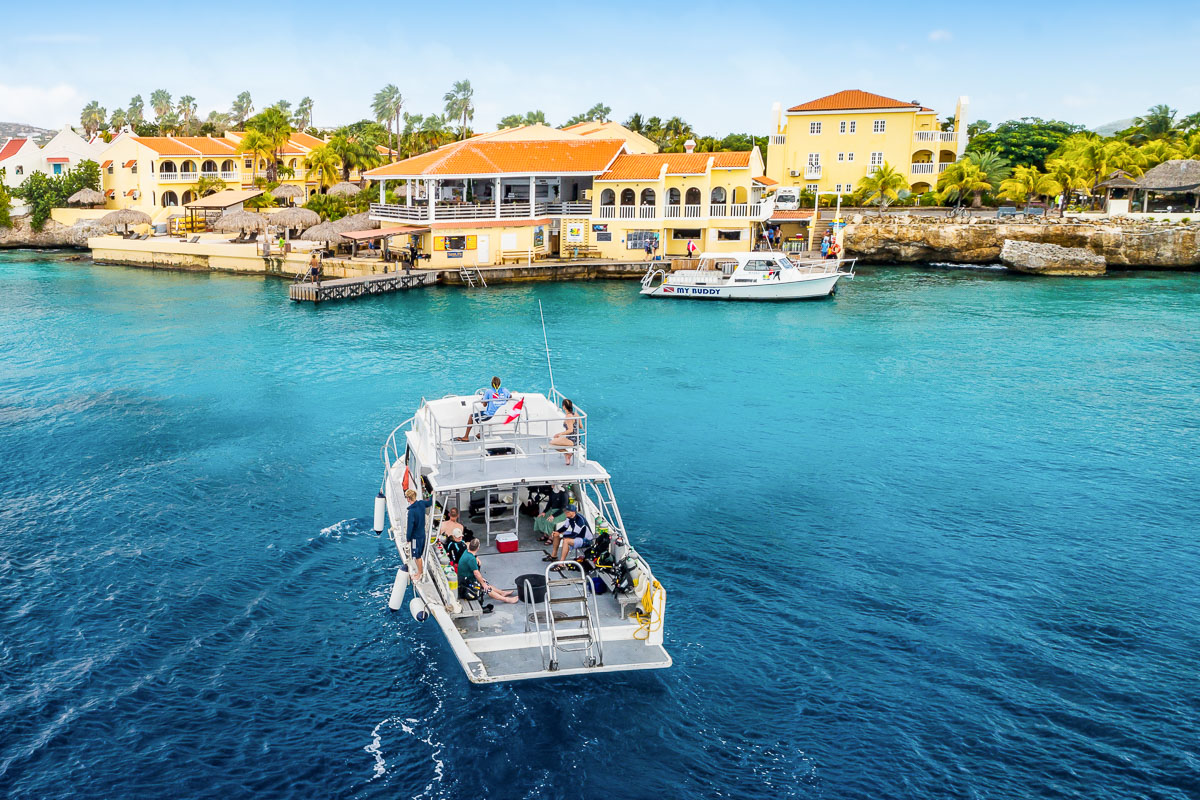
901,239
52,234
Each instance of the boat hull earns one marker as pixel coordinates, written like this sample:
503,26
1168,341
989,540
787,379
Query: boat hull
806,289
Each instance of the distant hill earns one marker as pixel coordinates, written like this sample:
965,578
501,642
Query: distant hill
20,130
1109,128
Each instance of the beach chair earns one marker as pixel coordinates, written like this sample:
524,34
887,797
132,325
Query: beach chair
253,238
193,240
241,237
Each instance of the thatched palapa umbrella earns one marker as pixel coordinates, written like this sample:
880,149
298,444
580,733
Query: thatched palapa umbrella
294,218
126,217
242,221
87,197
356,222
325,232
344,189
287,191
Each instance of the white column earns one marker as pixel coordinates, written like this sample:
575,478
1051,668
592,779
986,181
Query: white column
382,190
497,198
532,192
429,192
408,191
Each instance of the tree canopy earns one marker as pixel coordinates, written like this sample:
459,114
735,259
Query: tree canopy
1028,141
45,192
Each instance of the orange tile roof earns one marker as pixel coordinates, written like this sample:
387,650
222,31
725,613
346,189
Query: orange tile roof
781,215
648,166
130,163
552,157
11,147
106,164
187,145
850,99
109,192
763,180
307,140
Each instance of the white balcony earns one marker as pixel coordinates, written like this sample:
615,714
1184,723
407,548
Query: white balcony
935,136
692,211
923,169
778,138
812,171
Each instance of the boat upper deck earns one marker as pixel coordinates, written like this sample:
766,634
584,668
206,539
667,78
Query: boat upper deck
511,446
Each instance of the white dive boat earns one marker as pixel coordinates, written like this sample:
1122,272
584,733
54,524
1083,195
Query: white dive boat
759,275
566,622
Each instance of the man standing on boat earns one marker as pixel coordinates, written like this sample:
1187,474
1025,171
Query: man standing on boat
416,530
494,399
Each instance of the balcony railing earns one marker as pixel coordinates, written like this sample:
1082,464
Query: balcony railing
935,136
812,171
608,212
923,169
177,177
778,138
419,212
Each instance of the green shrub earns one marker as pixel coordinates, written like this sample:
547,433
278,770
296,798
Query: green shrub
1185,220
45,192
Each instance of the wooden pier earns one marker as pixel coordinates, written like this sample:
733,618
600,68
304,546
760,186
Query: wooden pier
348,288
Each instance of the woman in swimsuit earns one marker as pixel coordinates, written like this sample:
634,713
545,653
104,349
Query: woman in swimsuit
569,437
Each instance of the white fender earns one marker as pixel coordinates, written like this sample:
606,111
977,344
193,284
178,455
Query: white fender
380,511
416,607
398,589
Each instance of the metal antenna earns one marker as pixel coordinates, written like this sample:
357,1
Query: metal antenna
546,341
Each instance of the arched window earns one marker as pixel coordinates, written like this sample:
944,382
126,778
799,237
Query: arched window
608,198
292,163
170,199
693,196
672,197
627,197
187,166
208,166
647,197
227,165
739,195
167,166
188,197
718,195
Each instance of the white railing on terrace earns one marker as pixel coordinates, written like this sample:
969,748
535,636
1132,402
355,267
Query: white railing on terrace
778,138
717,210
812,171
187,176
672,211
934,136
419,210
412,213
922,169
942,166
692,211
608,212
740,209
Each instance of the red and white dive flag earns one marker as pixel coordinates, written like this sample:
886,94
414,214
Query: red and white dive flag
516,411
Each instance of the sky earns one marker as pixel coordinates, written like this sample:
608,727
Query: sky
719,66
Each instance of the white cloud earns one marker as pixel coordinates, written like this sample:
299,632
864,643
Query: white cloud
940,35
59,38
47,107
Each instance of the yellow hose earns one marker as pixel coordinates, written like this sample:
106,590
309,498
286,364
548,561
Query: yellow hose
648,621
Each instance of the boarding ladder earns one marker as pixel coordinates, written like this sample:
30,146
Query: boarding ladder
577,631
471,277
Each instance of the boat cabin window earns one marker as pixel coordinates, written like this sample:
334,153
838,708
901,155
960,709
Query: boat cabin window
727,266
786,262
760,265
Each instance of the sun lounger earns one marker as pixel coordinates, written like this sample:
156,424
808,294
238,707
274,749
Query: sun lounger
193,240
253,238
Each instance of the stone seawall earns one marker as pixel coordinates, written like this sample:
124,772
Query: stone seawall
904,239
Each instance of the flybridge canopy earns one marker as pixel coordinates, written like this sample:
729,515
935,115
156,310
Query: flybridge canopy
511,447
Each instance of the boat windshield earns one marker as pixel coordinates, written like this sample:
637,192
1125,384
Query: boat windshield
786,262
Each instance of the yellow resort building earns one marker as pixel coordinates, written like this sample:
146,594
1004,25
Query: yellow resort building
534,192
156,173
830,144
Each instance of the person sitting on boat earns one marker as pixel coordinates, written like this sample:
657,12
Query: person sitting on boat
416,529
554,514
572,533
569,437
471,583
494,399
452,530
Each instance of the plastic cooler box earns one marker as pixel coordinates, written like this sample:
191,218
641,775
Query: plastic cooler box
506,542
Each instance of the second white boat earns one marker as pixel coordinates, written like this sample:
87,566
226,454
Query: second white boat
758,275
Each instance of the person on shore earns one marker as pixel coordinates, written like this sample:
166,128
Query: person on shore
649,249
654,247
691,249
416,530
314,269
494,399
572,533
834,248
569,436
825,246
471,583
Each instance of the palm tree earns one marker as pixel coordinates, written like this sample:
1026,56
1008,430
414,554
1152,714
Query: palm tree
1069,175
1101,157
1026,183
993,166
387,105
187,110
355,152
435,132
324,163
258,146
92,117
160,101
960,179
218,121
1158,123
303,117
136,113
537,117
635,123
459,105
883,186
1159,150
283,106
117,120
241,109
275,128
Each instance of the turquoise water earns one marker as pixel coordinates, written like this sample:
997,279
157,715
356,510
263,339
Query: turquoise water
935,537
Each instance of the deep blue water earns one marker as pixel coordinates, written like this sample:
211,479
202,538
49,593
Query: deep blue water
936,537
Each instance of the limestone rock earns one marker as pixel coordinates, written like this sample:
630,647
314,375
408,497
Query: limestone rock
1038,258
53,234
